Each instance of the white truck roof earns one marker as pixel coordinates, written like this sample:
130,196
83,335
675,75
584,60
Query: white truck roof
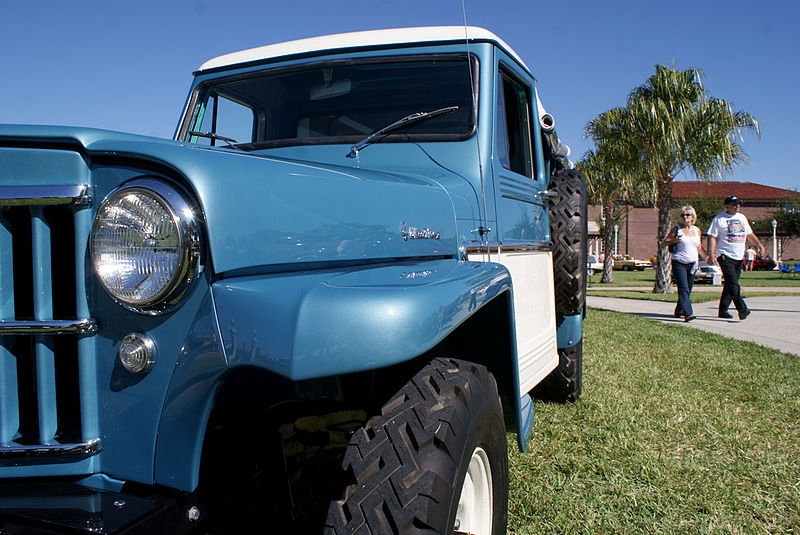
394,36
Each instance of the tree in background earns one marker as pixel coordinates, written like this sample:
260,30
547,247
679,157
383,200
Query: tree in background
601,191
787,215
679,127
608,171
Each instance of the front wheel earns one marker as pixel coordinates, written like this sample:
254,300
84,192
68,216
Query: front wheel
433,461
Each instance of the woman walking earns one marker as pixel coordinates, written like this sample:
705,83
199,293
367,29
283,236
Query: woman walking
685,246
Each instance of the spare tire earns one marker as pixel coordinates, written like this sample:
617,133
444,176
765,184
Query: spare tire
568,232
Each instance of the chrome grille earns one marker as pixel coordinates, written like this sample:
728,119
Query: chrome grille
47,388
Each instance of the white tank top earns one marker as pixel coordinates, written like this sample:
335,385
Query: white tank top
687,248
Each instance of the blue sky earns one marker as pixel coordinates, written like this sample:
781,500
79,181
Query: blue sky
127,66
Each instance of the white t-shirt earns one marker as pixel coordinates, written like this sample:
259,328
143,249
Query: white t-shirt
730,231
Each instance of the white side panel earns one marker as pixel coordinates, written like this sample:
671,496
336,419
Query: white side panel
534,312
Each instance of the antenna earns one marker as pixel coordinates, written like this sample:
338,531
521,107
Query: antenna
484,229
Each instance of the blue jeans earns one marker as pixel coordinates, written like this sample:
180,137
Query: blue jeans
731,269
684,279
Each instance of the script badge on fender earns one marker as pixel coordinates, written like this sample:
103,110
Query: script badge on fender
414,233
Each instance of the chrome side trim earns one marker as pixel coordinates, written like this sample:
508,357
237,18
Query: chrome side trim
507,247
476,247
84,326
77,194
83,449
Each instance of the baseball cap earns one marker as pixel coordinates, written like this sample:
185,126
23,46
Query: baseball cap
733,199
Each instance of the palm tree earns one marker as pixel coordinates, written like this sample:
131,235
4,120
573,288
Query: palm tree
679,127
609,170
599,186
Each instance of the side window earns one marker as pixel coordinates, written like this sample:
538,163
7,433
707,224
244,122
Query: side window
514,126
226,118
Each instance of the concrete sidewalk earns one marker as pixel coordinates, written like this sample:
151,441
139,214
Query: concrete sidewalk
701,288
774,322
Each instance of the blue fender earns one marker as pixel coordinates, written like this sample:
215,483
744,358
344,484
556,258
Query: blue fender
188,402
333,322
569,330
309,325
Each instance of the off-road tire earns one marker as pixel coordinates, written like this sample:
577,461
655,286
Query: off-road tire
568,232
564,384
407,465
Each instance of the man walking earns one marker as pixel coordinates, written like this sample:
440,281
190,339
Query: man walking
749,259
727,237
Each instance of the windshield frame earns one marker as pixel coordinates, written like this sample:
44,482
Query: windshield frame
201,88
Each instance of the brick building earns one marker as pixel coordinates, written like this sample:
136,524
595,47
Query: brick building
637,227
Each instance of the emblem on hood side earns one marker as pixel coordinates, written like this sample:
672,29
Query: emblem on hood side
414,233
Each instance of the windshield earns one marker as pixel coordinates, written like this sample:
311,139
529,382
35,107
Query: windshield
334,103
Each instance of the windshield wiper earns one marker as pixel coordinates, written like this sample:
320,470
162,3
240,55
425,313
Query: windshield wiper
214,135
408,119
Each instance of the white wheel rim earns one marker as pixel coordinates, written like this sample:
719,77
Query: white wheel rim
475,507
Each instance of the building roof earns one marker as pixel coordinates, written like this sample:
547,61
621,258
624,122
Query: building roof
373,38
744,190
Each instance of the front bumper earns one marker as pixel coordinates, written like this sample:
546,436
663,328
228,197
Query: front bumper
63,506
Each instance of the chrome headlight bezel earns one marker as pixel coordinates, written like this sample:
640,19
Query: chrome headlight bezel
184,216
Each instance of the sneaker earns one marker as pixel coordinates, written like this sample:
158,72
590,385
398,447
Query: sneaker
689,318
725,315
744,313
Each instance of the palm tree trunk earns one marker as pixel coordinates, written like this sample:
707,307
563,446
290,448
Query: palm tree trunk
608,244
663,265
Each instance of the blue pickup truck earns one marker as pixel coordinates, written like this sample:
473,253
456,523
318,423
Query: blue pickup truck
318,309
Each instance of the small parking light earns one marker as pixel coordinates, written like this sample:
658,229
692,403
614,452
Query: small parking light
137,353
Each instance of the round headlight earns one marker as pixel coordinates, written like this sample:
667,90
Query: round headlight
144,245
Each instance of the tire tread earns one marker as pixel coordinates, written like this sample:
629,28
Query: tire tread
403,461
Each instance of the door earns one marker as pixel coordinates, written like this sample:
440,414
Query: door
523,229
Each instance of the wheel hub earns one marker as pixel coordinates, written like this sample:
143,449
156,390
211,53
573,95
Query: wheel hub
475,505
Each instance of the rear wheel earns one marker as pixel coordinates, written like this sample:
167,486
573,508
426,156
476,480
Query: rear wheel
564,384
433,461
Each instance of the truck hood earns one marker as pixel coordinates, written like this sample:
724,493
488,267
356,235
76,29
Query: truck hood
259,210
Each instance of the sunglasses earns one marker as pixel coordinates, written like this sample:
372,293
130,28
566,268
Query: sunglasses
686,215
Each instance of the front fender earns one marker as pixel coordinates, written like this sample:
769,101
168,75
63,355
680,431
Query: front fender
318,324
311,324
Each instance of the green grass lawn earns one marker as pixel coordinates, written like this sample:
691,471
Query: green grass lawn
648,276
677,431
627,278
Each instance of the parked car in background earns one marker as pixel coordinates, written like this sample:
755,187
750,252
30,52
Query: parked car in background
593,264
709,274
628,263
763,264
